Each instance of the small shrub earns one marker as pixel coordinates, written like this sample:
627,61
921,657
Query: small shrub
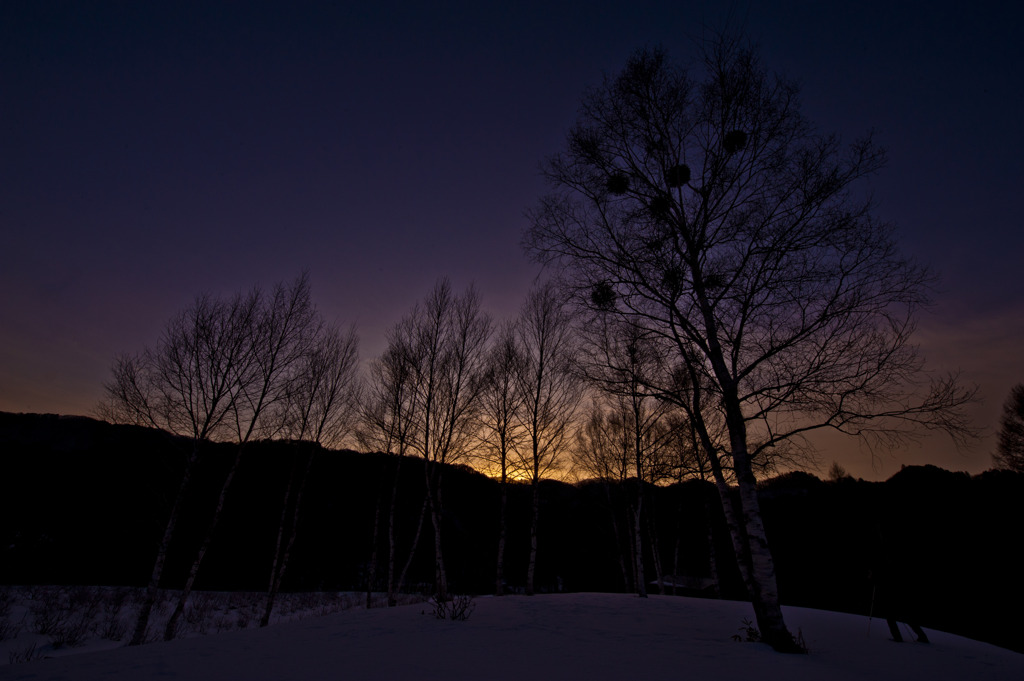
49,610
6,601
110,624
64,614
223,623
238,600
114,601
70,632
751,634
197,614
457,609
9,629
26,654
163,606
309,600
113,629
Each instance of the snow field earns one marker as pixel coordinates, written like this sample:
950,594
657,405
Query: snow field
559,636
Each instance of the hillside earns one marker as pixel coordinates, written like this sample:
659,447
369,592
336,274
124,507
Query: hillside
83,501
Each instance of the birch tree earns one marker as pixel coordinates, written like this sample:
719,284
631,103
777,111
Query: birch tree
280,332
447,336
501,402
216,374
551,394
618,359
319,409
187,384
700,206
389,416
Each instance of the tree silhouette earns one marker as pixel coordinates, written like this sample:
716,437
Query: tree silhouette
551,394
187,384
500,426
702,208
220,371
388,420
444,342
1010,448
634,425
319,409
281,331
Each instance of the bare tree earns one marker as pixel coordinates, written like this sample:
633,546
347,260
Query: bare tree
281,329
217,373
388,420
551,394
188,385
501,401
617,363
1010,448
321,403
447,335
702,208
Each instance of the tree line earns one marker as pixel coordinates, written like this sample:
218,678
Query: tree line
449,388
718,288
87,501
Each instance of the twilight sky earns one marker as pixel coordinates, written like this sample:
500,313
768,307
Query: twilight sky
152,151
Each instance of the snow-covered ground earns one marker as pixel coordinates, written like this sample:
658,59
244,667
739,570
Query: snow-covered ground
563,636
39,622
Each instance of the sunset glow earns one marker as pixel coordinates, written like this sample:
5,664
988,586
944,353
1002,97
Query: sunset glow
153,153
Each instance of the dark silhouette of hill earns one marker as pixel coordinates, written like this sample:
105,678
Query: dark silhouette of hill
83,501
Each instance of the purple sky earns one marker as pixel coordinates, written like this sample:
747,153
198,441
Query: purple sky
153,151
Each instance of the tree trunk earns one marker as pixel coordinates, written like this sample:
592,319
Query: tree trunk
712,551
142,621
532,566
372,576
499,581
638,548
732,515
675,551
626,580
764,591
170,631
652,541
285,507
764,587
434,500
286,555
392,601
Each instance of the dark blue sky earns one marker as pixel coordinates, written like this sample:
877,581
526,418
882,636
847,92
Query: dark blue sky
153,151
